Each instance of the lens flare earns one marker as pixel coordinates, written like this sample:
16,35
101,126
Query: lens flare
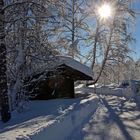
105,11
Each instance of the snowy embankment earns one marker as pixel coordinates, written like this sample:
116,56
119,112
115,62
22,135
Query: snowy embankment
107,90
51,120
121,92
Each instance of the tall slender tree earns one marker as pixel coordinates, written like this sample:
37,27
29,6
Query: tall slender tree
4,101
112,36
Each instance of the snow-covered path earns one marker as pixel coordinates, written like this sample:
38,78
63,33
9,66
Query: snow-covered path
50,119
115,119
108,115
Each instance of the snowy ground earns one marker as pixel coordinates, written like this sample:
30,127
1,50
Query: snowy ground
115,119
110,114
106,90
51,119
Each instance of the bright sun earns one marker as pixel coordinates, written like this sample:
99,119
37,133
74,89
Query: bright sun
105,11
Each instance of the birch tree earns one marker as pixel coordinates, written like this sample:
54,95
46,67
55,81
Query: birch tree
112,35
74,28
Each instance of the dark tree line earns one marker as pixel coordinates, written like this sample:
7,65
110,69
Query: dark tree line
4,101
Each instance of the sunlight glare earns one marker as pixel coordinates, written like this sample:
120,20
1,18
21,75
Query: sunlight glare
105,11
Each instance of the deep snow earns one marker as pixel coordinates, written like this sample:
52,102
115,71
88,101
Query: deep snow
51,119
110,114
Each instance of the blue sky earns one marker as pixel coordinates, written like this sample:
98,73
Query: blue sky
137,37
136,33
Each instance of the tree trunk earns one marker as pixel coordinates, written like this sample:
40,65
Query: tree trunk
73,30
105,57
95,46
4,101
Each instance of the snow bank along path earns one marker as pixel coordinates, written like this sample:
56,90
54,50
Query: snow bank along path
51,122
64,125
121,92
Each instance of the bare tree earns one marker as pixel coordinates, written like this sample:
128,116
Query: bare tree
74,27
28,44
112,36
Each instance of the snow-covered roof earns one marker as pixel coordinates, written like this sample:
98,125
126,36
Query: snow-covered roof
69,61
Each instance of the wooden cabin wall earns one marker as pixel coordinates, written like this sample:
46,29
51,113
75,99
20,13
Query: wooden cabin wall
66,88
55,87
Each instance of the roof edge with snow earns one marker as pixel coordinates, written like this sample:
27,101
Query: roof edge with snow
69,61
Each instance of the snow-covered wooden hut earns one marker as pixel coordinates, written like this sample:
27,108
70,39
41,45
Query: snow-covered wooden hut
59,82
